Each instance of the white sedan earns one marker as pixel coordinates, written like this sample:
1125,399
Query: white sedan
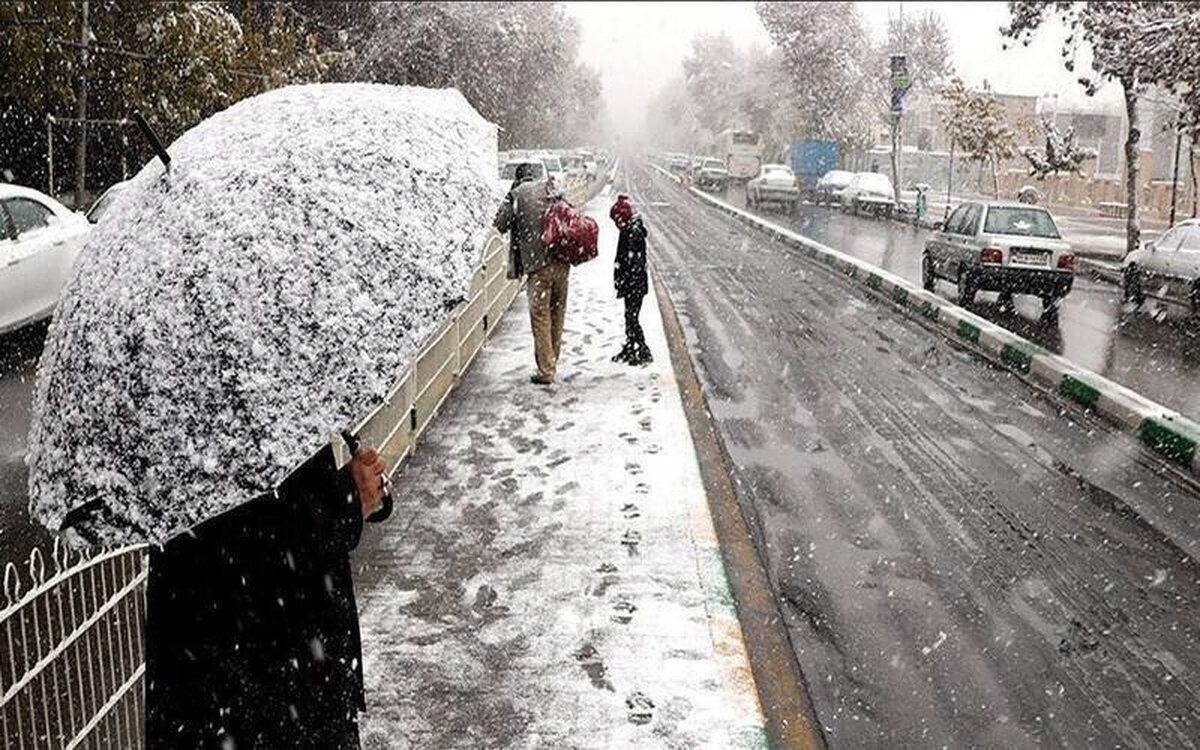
1167,268
775,184
868,191
39,241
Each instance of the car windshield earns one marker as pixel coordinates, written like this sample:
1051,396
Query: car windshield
1022,221
509,172
100,207
1191,238
774,170
713,164
552,164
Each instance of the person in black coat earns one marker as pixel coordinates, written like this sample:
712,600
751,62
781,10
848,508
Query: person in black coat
630,279
252,637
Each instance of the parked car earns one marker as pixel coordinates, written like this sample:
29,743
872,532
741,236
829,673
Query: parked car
712,175
829,187
39,241
1005,247
775,183
106,199
1167,268
678,164
572,164
554,168
509,170
870,192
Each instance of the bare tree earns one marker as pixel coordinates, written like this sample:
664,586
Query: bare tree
1137,44
1061,154
975,122
824,48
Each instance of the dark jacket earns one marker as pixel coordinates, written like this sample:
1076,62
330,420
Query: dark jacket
520,214
629,271
251,625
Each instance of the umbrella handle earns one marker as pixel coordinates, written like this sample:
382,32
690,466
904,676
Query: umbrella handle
385,503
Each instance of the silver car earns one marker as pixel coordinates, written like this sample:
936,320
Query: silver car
775,184
1167,268
1011,248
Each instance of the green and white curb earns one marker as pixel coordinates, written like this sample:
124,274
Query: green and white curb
1169,434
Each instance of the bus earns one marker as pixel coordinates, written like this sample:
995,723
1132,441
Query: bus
741,150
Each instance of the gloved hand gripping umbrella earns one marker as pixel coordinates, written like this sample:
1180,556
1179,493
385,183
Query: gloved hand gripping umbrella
228,315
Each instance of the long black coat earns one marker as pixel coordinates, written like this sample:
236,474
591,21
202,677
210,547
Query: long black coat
251,625
629,271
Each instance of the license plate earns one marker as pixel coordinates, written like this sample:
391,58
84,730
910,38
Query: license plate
1025,258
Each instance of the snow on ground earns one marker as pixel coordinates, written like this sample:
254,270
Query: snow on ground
225,317
551,576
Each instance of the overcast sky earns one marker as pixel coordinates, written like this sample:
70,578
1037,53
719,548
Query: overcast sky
639,47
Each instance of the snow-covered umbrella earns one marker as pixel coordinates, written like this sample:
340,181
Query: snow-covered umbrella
230,313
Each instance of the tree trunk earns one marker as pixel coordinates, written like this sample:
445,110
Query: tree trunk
81,110
995,178
896,158
1195,202
1133,229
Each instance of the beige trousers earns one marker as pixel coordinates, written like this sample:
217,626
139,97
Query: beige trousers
547,292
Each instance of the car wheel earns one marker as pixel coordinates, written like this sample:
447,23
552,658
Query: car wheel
1131,286
928,279
966,288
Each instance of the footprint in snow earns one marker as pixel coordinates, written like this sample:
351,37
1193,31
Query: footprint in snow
640,708
623,612
630,511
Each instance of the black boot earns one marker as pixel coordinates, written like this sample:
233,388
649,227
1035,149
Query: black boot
640,355
625,353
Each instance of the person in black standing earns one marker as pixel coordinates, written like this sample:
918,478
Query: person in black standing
252,636
630,280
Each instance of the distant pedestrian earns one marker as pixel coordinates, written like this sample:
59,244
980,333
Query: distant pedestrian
922,204
630,279
520,215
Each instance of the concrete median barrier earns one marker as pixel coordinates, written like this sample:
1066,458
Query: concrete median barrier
1167,433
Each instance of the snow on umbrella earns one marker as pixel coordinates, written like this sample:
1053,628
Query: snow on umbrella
228,314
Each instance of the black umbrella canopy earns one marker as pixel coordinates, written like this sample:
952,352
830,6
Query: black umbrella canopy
226,316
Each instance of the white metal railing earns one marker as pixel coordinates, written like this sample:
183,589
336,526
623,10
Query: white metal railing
71,646
71,662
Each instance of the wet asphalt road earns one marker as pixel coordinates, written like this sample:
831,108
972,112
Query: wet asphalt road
1154,351
953,554
19,352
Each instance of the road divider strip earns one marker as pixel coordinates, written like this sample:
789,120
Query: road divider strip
1164,431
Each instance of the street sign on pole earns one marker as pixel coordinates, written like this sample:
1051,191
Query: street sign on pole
898,67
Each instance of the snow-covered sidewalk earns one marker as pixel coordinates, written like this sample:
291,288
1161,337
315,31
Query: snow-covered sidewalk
551,576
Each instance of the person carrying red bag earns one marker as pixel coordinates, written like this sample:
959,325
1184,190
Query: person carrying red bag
546,237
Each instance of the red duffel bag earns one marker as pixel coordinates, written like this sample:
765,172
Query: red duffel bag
571,236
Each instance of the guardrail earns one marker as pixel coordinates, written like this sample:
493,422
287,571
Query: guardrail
71,663
71,648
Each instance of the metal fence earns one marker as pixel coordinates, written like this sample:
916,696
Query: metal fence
71,662
71,649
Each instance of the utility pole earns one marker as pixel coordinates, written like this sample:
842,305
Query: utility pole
899,78
81,108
